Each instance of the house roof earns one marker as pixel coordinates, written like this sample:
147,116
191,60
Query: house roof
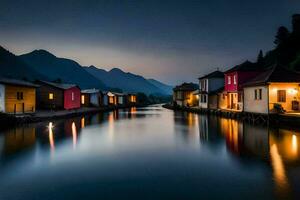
63,86
215,74
276,73
245,66
90,91
17,82
186,87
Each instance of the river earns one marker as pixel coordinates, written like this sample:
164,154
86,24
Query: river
148,153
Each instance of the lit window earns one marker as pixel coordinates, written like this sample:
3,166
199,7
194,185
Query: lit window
258,94
82,99
281,96
50,96
72,96
234,80
229,79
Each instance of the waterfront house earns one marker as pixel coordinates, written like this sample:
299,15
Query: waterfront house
185,95
119,98
209,87
17,96
58,95
275,90
90,97
111,98
232,97
131,99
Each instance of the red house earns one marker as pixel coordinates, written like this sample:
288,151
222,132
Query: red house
234,79
52,95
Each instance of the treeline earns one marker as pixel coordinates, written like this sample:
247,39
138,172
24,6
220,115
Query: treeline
287,47
144,99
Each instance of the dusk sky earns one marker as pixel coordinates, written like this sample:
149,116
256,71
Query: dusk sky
172,41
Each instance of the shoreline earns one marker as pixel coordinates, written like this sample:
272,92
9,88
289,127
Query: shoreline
283,120
9,120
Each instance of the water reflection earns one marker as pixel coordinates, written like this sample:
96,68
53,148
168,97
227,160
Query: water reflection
227,141
278,147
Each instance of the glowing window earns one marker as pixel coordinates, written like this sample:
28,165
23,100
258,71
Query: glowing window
229,79
50,96
72,96
82,99
234,80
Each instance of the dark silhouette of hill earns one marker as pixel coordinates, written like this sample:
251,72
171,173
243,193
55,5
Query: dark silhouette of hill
168,89
11,66
128,82
66,70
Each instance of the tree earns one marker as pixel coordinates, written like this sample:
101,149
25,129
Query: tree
282,35
260,57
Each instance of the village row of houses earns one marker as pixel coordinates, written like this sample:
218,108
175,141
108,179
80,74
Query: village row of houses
244,88
18,96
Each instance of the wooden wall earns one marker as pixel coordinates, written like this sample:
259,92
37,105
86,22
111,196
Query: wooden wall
43,101
12,104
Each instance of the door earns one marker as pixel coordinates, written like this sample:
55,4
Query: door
231,101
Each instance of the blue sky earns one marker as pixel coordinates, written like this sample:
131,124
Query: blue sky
172,41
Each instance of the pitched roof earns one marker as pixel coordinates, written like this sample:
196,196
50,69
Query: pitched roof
276,73
186,87
63,86
17,82
215,74
245,66
90,91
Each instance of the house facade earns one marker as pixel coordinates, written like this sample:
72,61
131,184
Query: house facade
58,96
276,90
232,97
209,86
90,97
17,96
186,95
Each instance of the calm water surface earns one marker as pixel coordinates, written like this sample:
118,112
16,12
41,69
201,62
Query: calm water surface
148,153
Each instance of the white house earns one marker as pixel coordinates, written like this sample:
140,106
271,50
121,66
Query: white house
276,89
209,86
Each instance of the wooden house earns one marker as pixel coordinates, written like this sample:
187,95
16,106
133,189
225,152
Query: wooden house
275,90
209,87
90,97
111,99
58,95
131,99
120,98
232,97
17,96
185,95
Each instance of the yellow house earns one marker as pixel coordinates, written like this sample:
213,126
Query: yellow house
273,91
186,95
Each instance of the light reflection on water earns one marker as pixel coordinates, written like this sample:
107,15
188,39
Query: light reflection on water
148,153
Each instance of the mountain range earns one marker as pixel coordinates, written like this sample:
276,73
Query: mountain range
41,64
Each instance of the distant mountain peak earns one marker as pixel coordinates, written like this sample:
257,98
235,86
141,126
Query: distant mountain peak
42,52
115,69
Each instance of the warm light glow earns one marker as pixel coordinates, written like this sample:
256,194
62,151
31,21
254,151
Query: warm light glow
279,174
50,96
294,144
82,99
292,91
82,122
74,135
51,137
111,100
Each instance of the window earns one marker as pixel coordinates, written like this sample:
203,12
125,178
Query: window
203,98
72,96
234,79
258,94
229,79
239,97
51,96
20,96
82,99
281,95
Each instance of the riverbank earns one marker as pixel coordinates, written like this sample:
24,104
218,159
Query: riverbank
283,120
41,115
